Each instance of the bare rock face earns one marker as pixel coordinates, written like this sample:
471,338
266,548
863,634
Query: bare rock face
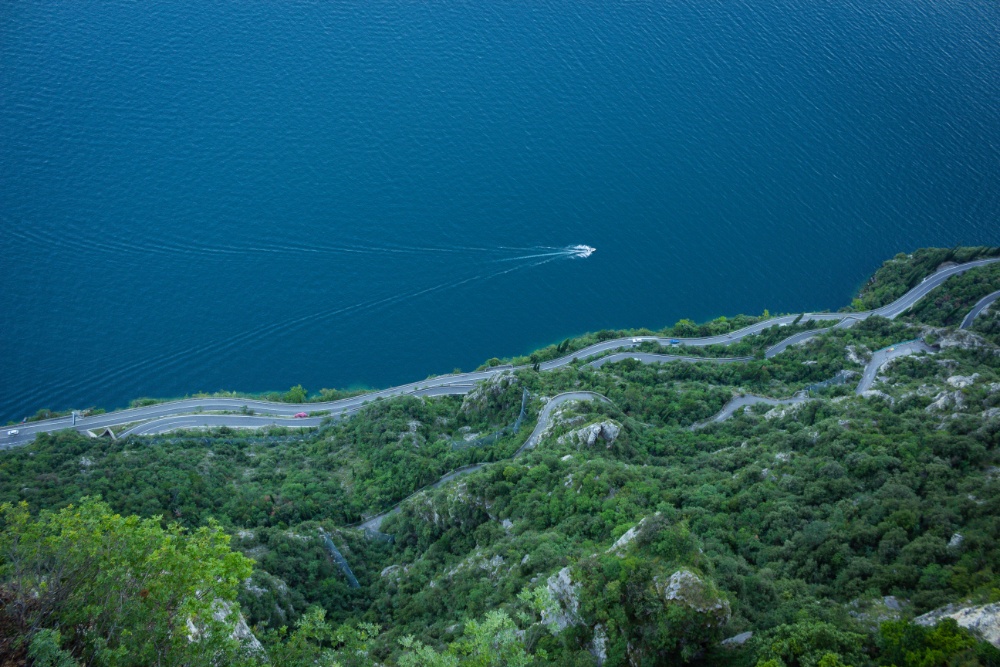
599,646
566,595
873,613
984,620
962,381
606,431
737,640
221,611
959,338
875,393
947,400
858,354
394,572
494,386
618,548
687,588
782,410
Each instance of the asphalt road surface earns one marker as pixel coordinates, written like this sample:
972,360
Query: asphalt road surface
651,358
978,308
737,402
884,356
446,384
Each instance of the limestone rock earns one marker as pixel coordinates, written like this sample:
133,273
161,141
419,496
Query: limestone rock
984,620
221,611
737,640
960,339
782,411
858,354
627,537
947,400
607,431
875,393
599,646
687,588
490,388
872,613
962,381
566,595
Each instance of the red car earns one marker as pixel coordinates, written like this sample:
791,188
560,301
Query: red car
300,415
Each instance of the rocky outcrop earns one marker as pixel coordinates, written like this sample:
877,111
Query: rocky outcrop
782,411
875,393
737,640
606,431
874,612
686,588
618,547
858,354
599,645
984,620
488,389
947,400
958,338
962,381
411,433
566,595
222,612
394,572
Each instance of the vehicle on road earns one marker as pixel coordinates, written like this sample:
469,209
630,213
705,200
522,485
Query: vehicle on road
11,433
674,341
892,349
300,415
636,340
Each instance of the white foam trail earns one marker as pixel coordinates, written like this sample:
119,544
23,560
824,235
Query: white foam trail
172,359
166,247
561,253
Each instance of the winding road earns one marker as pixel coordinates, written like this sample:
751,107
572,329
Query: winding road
164,417
746,400
544,421
980,306
874,365
651,358
884,356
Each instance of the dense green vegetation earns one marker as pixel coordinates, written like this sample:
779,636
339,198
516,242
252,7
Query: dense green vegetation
987,324
948,307
646,548
903,271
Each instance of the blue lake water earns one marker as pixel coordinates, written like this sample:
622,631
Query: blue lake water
202,195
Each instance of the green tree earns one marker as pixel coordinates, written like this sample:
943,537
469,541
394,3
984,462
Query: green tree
316,643
810,644
492,642
903,644
123,590
296,394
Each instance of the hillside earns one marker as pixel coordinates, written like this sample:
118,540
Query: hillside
808,530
